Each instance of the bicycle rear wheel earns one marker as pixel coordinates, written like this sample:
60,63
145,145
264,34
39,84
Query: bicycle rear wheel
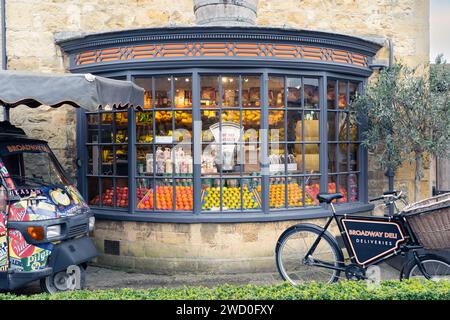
436,267
291,250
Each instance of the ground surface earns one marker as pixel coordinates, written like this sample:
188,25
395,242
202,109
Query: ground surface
104,278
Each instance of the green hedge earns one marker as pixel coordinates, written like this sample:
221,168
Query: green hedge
344,290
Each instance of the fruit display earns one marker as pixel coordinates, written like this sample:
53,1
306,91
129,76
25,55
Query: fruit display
164,198
108,198
332,189
295,195
231,198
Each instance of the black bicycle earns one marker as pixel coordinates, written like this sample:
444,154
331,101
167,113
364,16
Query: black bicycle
306,252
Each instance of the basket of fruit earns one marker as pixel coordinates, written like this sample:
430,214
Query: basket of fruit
430,221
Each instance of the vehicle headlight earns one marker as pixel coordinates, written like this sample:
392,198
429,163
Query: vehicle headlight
91,223
53,231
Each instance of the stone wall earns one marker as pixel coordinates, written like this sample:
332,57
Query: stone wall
169,248
31,25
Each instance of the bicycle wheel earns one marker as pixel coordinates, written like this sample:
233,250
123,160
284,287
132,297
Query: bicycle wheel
437,267
292,247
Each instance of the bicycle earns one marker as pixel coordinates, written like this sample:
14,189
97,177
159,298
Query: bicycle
306,252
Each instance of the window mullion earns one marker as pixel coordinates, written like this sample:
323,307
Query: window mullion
323,135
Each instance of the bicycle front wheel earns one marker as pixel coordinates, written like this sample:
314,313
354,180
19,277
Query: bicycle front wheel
292,248
436,267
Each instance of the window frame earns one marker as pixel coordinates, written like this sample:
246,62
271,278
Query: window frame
197,215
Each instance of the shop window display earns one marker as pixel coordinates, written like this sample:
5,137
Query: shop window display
107,150
343,143
294,141
230,167
230,109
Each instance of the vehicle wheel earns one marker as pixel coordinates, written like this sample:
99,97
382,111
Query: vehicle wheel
292,247
62,281
437,267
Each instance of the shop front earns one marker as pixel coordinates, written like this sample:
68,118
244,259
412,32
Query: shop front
241,128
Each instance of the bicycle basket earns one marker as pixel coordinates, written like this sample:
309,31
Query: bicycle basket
430,221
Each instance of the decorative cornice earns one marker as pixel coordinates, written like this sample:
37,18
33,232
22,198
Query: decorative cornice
221,43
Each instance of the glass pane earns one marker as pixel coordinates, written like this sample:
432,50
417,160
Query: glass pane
182,158
106,128
331,94
343,187
230,92
93,160
146,83
121,122
107,161
231,194
276,125
251,189
343,157
312,189
295,192
343,126
353,182
92,127
277,194
209,118
122,160
163,158
276,92
354,157
107,192
251,93
277,158
164,194
210,164
294,88
312,163
93,191
121,193
144,160
184,195
144,127
354,134
162,92
342,102
144,194
183,127
231,116
211,194
332,162
353,88
251,161
183,92
332,182
294,125
209,95
311,89
163,121
311,124
332,136
251,119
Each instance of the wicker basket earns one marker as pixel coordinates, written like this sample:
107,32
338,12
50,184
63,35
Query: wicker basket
430,221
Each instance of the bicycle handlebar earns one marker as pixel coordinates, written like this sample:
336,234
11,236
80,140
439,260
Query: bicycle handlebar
390,195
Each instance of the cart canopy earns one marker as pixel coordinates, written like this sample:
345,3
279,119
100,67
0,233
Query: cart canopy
79,90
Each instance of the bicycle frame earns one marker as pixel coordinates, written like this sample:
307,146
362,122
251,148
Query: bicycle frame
407,242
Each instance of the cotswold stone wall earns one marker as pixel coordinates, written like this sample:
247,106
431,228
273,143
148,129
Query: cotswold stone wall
31,25
171,248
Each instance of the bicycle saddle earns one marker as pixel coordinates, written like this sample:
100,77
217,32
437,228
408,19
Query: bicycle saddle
328,197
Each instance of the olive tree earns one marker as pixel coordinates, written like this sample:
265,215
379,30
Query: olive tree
405,115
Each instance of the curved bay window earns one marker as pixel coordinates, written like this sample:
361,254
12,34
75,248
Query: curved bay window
247,130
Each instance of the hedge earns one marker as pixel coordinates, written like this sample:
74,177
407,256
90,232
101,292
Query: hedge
344,290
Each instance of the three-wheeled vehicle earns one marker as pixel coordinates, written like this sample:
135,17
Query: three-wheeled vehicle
44,221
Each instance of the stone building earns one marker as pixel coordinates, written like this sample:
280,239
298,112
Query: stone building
49,36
